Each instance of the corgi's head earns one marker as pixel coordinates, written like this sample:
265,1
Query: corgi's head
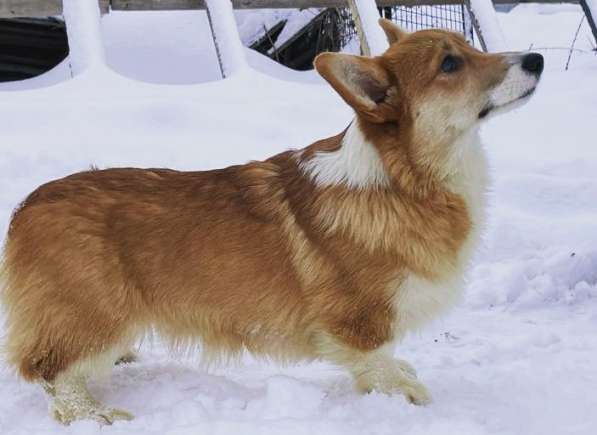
431,82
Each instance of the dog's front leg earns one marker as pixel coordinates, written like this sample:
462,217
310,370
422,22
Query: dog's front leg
375,369
379,371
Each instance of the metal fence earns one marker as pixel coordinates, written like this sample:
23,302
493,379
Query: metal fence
450,17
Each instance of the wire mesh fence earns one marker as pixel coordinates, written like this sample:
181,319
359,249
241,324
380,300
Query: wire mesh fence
334,29
452,17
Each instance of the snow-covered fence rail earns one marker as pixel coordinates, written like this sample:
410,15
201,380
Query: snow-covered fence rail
281,4
44,8
38,8
32,8
481,11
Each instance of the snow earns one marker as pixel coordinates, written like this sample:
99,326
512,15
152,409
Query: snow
229,47
296,22
374,35
490,28
84,34
252,22
516,357
180,51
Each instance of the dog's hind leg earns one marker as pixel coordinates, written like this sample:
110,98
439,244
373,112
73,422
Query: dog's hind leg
62,355
72,401
69,398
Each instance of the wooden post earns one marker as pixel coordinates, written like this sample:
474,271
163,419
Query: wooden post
229,47
468,28
365,15
475,25
365,51
485,22
104,6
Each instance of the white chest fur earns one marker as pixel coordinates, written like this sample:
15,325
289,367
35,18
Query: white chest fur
419,300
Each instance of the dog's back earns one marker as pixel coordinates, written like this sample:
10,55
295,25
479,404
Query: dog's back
96,258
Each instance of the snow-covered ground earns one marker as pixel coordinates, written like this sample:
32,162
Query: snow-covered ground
517,357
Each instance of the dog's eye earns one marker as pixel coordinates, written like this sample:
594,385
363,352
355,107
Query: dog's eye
450,64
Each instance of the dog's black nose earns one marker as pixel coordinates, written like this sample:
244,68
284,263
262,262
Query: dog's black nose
533,63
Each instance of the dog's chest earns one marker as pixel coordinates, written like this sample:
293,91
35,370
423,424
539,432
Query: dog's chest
419,300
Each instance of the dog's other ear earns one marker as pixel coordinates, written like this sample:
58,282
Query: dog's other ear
393,32
361,81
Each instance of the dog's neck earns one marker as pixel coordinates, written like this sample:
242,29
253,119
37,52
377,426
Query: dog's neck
373,157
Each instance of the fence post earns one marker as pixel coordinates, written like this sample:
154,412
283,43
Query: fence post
366,17
467,26
229,47
486,24
86,49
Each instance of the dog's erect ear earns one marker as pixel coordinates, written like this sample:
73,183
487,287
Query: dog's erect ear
361,81
393,32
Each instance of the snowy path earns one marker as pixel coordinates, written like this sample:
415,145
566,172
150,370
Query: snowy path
517,357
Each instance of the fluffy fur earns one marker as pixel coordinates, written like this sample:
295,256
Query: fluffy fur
355,164
332,252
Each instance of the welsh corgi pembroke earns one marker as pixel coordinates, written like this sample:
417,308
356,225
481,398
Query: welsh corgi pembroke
332,252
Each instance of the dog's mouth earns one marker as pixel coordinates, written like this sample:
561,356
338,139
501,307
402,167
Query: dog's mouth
489,107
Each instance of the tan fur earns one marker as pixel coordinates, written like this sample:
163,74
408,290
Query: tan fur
259,257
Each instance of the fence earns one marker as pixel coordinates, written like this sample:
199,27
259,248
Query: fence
225,34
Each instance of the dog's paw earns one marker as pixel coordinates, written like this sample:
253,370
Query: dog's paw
394,377
103,415
416,393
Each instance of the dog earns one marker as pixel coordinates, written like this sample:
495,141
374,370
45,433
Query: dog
332,252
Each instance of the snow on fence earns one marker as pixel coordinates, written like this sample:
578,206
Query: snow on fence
486,25
53,7
82,17
42,8
230,50
373,40
84,34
